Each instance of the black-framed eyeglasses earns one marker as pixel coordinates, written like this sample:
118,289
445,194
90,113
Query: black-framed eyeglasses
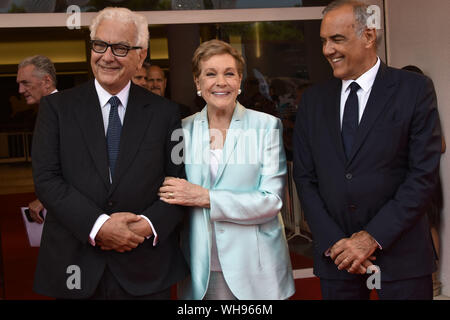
118,49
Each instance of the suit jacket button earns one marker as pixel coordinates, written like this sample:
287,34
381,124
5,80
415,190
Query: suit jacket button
110,203
349,176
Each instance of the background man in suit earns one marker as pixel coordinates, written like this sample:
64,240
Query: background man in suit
36,77
156,80
366,161
157,83
140,77
107,235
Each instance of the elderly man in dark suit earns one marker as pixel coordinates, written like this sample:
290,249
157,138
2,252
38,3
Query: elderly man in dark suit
101,152
366,161
36,77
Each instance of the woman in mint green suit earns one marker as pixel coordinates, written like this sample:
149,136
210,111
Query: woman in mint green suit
235,164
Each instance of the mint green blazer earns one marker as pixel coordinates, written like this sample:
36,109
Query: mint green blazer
245,203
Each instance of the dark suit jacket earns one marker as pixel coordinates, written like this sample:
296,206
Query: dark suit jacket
385,186
70,169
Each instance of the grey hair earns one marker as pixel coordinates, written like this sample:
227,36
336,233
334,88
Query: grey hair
361,12
123,15
42,66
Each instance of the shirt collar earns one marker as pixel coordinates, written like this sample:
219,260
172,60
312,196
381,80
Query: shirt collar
366,80
104,96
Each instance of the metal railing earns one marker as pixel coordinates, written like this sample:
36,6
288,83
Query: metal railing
15,146
292,212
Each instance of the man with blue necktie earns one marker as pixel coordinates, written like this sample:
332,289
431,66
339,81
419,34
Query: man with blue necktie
366,161
101,152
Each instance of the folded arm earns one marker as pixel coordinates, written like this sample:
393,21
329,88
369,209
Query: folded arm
165,216
244,207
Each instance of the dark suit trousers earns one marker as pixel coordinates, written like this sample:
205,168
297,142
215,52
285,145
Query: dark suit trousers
110,289
409,289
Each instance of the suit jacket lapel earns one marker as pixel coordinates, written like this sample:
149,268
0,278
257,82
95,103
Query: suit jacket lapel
201,133
89,116
134,128
233,135
333,106
382,90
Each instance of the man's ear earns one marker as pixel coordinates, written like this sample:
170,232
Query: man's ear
47,81
370,36
142,56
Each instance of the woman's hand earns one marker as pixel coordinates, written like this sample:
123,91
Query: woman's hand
181,192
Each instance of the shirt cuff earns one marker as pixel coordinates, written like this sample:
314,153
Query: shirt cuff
97,225
155,239
379,245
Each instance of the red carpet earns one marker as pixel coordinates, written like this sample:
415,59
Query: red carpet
19,259
307,288
300,262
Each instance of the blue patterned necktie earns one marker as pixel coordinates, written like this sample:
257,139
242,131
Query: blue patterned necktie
113,133
350,119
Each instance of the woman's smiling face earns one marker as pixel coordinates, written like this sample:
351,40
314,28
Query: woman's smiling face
219,81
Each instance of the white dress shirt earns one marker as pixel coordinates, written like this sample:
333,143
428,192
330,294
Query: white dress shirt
365,81
103,97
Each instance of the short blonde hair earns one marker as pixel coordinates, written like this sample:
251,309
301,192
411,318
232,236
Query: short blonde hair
123,15
215,47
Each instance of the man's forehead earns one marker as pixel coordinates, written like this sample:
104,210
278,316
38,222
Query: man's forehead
156,73
26,73
343,15
111,31
28,69
337,27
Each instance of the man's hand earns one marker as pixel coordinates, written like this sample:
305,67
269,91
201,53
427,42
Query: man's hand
141,227
354,254
115,233
35,207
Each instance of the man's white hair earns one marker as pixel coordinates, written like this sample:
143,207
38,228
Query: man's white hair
123,15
